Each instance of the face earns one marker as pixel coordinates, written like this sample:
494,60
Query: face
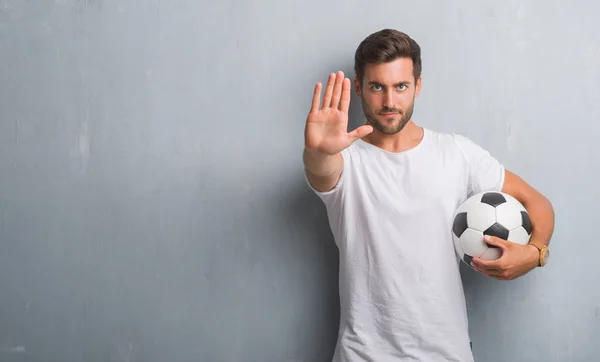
388,93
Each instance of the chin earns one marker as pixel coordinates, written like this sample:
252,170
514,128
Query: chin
387,128
390,125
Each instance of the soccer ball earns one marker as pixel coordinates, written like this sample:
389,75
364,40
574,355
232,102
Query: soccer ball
488,213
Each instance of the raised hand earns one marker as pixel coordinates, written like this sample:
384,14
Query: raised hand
326,128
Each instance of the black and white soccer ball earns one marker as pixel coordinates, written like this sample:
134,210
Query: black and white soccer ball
489,213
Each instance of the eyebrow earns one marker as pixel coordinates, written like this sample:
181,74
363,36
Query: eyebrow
399,83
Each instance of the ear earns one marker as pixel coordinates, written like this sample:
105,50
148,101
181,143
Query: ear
418,86
357,86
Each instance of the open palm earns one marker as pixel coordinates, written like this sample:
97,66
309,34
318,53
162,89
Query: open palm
327,123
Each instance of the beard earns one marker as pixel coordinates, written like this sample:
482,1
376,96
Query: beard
384,126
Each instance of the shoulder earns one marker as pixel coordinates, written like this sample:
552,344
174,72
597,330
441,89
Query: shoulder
449,141
457,144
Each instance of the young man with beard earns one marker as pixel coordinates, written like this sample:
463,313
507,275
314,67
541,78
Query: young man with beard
390,188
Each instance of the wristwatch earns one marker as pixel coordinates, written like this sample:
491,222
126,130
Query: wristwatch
544,251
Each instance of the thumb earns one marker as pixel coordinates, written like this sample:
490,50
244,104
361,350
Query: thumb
495,241
360,132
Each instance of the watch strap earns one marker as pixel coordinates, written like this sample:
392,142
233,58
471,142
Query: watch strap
542,250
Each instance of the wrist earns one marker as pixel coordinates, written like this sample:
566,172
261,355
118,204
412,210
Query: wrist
542,250
533,254
320,164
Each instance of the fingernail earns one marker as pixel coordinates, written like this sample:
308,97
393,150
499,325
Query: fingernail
486,237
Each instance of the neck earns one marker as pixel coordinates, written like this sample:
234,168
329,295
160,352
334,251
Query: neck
409,137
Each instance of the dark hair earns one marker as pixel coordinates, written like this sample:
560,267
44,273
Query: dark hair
385,46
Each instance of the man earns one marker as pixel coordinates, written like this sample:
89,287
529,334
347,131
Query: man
391,188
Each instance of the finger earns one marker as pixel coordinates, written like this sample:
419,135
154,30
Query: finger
495,241
337,90
498,264
485,264
328,91
345,100
491,274
360,132
316,97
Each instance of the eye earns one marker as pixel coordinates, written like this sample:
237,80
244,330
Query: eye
376,87
402,86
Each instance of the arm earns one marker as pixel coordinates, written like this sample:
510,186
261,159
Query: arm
537,205
325,133
517,260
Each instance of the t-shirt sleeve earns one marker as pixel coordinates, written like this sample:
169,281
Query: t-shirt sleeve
332,197
485,172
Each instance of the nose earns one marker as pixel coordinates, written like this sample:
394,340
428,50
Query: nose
388,100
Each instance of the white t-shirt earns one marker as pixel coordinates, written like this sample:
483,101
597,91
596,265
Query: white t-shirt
391,215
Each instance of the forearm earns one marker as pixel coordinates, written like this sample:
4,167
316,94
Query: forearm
538,207
320,164
541,214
